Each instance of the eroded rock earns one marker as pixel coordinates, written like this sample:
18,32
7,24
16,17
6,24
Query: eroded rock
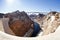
20,23
51,23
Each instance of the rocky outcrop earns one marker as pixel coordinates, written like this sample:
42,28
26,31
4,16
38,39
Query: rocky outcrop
51,23
20,23
39,18
41,15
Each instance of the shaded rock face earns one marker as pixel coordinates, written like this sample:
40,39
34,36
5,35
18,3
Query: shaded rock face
52,13
51,23
1,15
18,16
19,22
41,15
39,18
36,16
33,16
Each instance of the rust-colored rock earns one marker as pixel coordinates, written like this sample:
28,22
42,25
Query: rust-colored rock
19,27
20,23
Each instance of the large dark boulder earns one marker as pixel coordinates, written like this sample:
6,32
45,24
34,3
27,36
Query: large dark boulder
20,23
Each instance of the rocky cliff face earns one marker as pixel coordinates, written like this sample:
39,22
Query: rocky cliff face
50,22
39,18
20,23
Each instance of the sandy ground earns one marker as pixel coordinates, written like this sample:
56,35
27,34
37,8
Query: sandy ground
52,36
1,25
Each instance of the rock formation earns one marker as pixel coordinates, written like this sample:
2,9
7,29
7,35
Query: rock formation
51,23
20,23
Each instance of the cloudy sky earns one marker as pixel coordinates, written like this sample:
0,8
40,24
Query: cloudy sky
29,5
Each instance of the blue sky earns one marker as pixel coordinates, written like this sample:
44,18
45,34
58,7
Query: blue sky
29,5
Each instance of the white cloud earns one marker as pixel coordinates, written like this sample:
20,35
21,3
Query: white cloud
9,2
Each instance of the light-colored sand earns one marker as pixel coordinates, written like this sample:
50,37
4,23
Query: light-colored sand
52,36
1,25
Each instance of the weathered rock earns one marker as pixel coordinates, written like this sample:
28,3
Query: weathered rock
39,19
51,23
6,26
20,23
